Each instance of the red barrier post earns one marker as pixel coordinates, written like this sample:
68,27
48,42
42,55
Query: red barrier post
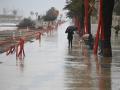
100,32
20,49
86,4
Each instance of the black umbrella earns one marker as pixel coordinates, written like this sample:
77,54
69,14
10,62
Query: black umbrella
71,29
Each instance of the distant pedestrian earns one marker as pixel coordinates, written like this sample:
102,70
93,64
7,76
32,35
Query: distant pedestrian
116,33
70,30
117,29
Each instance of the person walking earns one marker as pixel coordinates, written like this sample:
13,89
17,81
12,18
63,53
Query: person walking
70,30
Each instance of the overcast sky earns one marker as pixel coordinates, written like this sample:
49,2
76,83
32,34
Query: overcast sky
25,6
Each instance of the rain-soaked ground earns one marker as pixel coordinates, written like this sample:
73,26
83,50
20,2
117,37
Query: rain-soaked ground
50,65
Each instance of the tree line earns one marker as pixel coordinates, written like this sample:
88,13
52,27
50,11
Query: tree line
76,9
51,15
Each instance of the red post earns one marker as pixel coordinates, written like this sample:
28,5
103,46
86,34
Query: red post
20,49
100,32
77,23
86,4
10,50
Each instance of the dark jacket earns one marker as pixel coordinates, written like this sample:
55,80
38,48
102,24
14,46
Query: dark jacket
70,35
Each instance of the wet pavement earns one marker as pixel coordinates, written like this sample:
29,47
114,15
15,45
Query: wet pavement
51,65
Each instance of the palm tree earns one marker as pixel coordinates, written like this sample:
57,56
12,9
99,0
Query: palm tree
76,8
107,19
14,12
31,13
36,13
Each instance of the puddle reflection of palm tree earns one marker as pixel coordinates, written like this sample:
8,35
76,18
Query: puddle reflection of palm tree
84,50
20,64
103,70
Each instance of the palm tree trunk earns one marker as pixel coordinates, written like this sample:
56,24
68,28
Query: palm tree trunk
108,6
82,19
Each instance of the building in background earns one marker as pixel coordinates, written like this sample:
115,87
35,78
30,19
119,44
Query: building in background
10,19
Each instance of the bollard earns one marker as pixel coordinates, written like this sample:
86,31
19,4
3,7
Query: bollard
10,50
20,49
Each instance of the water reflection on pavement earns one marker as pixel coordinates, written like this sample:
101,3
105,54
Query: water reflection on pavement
51,65
84,71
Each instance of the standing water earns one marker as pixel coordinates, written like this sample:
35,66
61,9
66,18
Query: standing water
51,65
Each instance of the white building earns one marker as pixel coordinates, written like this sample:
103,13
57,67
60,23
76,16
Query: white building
10,19
9,22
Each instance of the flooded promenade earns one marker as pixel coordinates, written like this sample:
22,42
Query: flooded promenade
51,65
